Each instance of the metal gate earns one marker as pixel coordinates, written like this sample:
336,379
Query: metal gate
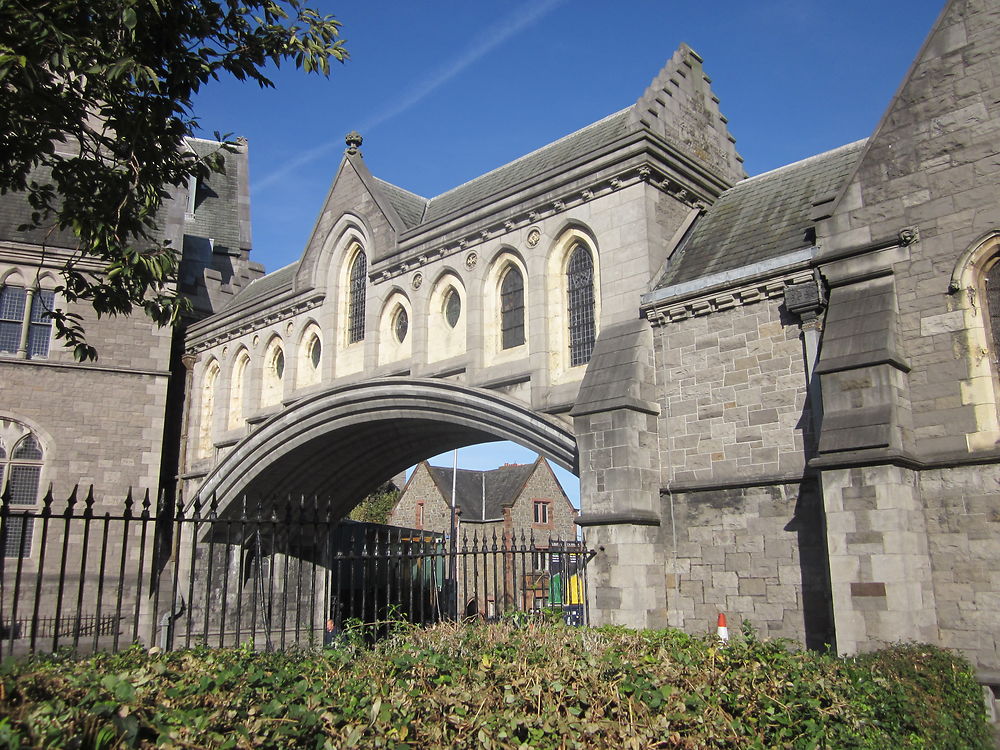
95,576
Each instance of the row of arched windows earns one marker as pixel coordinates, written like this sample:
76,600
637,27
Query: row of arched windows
447,333
271,387
580,307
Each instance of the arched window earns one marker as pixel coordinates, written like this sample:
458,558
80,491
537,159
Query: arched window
580,307
237,391
206,443
274,373
356,304
315,352
310,357
36,327
395,337
975,290
511,308
22,472
12,299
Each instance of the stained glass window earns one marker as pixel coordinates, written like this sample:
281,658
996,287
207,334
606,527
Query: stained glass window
512,308
11,317
315,352
23,472
580,286
356,307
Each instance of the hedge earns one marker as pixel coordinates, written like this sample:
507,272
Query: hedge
498,686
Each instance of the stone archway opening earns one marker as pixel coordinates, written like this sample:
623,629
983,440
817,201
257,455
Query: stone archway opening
341,444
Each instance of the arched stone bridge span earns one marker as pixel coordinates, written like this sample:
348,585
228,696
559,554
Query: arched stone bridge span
507,308
341,443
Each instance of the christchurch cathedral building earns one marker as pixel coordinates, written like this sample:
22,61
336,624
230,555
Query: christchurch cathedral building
779,391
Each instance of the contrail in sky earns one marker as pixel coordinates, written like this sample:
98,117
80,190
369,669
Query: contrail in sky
485,43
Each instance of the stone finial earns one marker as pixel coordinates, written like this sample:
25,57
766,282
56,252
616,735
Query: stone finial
353,141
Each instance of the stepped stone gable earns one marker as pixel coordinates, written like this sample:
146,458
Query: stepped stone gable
680,107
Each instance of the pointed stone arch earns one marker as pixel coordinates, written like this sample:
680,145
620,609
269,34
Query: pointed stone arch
975,269
354,436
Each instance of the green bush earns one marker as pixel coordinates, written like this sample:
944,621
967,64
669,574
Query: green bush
499,686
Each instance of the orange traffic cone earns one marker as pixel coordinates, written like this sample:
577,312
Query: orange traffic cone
722,631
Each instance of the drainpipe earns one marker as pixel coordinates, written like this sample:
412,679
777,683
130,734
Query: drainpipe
188,360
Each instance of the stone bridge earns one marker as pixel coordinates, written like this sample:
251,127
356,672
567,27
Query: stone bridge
411,326
507,308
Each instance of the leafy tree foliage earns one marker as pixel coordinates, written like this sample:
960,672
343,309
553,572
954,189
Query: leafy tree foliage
377,506
95,104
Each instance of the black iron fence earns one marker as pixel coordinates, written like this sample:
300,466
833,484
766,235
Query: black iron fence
94,576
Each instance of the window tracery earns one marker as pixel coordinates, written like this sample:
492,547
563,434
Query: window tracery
20,478
358,280
580,305
24,320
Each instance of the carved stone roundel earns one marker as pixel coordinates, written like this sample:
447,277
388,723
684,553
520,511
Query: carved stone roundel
533,237
418,279
471,259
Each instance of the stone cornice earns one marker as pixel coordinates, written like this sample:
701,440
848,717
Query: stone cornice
81,366
254,323
665,312
531,213
55,258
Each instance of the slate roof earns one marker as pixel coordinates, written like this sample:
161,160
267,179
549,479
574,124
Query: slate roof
266,285
519,171
502,486
15,211
217,213
409,206
760,218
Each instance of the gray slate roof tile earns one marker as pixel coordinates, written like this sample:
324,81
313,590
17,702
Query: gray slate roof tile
760,218
272,283
519,171
409,206
501,488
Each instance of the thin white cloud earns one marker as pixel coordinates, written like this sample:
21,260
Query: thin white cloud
514,23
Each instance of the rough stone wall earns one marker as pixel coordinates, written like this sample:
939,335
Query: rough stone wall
962,507
422,488
732,395
100,423
880,568
754,553
543,485
909,556
932,167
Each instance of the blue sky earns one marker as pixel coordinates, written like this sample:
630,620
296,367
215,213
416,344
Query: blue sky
443,91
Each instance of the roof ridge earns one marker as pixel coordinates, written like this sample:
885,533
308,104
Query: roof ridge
521,158
276,270
784,167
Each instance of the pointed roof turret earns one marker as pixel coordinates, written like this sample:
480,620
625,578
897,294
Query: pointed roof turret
679,106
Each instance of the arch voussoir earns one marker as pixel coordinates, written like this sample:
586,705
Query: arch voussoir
341,442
